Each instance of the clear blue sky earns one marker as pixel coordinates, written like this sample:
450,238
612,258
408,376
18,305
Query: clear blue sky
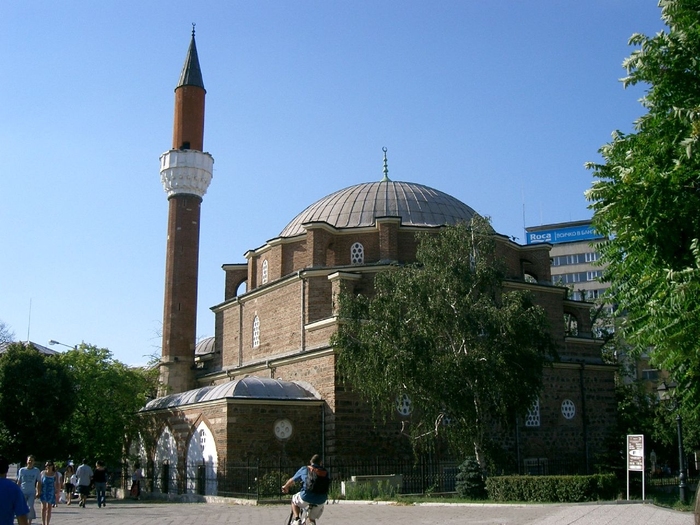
498,103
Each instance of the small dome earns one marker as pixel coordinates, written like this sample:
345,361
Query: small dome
205,346
360,205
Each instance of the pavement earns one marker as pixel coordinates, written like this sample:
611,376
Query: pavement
130,512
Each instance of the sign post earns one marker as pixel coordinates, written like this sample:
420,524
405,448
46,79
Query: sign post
635,459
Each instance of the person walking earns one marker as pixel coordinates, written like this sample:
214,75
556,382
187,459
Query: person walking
84,476
136,478
12,501
69,482
315,482
27,479
59,487
100,479
46,491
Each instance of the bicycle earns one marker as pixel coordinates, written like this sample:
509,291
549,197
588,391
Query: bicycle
305,515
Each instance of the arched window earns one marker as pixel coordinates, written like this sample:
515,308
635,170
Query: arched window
357,254
256,332
264,271
570,325
532,419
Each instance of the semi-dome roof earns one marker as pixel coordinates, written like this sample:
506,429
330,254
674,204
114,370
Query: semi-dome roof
360,205
205,346
247,388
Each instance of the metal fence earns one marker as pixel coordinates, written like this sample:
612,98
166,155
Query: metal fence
263,479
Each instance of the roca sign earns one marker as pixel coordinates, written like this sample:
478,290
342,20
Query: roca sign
533,238
570,234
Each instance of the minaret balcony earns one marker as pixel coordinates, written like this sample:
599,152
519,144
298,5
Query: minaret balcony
186,172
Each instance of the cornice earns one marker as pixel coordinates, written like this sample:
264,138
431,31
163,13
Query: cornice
266,364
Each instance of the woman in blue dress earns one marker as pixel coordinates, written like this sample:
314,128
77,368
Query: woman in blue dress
47,490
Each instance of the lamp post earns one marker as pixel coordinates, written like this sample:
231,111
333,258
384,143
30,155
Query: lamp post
54,342
664,392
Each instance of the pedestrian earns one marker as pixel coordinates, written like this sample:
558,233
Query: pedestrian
59,487
136,478
315,482
69,482
84,477
12,501
100,479
46,491
27,479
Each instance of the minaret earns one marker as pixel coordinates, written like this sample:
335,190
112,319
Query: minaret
185,171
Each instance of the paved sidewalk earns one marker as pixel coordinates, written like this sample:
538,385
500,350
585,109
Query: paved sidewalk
127,512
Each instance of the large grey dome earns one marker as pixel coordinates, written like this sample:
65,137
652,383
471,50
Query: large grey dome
360,205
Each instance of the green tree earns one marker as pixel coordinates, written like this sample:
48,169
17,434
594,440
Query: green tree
35,399
647,196
109,394
445,332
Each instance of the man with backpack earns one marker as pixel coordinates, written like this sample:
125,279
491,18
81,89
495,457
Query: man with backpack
315,482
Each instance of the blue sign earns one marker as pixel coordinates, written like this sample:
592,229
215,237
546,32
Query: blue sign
570,234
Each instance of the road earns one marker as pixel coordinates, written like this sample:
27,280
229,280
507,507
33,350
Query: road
128,512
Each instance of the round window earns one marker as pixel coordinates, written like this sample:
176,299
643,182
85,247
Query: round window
283,429
403,405
568,409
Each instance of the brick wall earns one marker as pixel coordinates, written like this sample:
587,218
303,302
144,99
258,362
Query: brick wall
351,430
242,431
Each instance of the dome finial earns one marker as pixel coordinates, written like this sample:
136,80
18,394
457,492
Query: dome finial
386,167
193,24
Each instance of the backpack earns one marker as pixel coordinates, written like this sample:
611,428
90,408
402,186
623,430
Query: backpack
317,480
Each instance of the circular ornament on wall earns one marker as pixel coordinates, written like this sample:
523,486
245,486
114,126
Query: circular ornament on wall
568,409
403,405
283,429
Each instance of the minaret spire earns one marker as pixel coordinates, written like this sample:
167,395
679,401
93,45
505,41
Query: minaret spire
186,172
191,73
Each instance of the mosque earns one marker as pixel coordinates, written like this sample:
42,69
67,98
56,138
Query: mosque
266,384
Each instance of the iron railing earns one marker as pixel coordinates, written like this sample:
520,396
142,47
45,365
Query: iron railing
262,479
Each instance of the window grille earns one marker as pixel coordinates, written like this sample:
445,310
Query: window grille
357,254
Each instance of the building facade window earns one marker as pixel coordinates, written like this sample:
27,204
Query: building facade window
256,332
570,325
650,375
568,409
264,271
532,419
403,405
575,258
576,277
586,295
357,254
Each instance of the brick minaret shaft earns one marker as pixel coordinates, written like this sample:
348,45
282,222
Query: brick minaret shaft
185,171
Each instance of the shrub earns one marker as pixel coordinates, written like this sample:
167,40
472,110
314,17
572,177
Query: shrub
469,480
370,491
552,488
270,484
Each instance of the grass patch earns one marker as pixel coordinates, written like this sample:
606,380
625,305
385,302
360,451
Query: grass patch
671,500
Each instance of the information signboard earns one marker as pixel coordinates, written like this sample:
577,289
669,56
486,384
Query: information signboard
635,459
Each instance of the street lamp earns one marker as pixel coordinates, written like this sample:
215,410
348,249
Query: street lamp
54,342
665,394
